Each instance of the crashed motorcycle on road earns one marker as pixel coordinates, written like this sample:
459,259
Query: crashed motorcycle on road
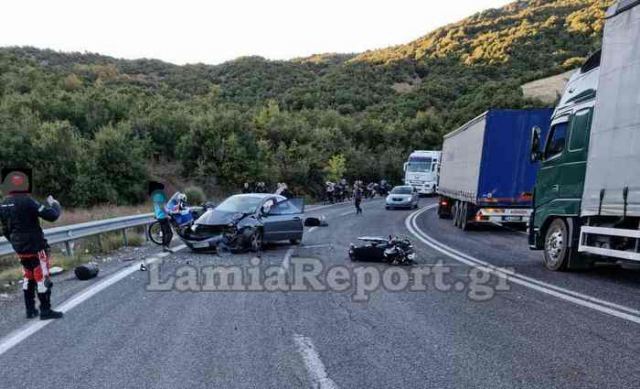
181,217
393,250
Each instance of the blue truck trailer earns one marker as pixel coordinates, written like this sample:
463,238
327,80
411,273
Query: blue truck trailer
486,175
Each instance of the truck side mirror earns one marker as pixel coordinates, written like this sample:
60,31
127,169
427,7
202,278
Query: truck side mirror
536,154
405,167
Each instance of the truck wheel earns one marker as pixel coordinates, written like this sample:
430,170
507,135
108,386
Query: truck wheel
556,246
464,217
456,214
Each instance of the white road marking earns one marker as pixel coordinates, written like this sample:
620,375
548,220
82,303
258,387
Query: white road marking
617,310
317,246
286,261
347,213
317,372
319,207
19,335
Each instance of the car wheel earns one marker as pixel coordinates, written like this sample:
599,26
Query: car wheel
556,250
257,240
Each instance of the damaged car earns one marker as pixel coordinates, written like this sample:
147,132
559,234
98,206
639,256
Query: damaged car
248,221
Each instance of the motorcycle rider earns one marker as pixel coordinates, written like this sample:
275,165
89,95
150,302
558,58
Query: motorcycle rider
19,217
371,190
283,190
329,191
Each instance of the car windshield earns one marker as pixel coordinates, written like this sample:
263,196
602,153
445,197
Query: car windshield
402,190
242,204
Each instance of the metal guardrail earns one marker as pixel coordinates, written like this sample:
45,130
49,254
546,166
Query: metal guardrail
67,234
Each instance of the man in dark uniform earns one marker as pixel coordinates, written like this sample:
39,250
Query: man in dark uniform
19,217
357,198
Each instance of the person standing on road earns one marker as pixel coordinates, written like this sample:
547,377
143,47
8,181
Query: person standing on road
357,198
159,198
329,192
20,218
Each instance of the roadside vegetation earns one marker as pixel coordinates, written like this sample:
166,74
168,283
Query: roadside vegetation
91,126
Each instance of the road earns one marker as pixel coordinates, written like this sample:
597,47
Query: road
129,336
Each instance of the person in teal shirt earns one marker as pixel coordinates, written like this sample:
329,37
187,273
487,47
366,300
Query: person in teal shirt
159,199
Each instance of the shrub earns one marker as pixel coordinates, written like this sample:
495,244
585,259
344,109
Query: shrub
195,195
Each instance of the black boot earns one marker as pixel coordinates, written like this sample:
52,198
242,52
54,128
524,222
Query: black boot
46,313
50,314
30,299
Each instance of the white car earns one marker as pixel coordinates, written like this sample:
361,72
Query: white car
402,197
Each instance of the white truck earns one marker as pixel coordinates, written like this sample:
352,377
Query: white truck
421,171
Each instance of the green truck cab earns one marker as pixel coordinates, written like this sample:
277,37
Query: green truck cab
563,159
587,195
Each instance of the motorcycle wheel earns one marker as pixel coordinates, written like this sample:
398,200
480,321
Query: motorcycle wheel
154,232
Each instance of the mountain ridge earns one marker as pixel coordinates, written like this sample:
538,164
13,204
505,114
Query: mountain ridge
256,119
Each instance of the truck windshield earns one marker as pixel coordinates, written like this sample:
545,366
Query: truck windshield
419,167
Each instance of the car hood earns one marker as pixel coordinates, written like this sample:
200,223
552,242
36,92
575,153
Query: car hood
215,217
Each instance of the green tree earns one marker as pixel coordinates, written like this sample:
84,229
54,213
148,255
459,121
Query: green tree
336,167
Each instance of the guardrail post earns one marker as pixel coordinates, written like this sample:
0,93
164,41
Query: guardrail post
68,245
146,232
124,238
99,241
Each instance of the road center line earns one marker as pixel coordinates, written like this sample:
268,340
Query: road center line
587,301
22,333
317,372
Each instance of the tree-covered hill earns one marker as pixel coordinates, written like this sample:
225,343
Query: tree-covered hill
89,123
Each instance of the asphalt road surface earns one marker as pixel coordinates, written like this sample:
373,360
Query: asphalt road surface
492,328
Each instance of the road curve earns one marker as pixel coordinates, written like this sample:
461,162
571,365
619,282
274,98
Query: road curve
129,336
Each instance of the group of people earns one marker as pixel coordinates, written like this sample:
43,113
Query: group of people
337,192
342,191
257,187
282,188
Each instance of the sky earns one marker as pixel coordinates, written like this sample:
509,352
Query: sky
190,31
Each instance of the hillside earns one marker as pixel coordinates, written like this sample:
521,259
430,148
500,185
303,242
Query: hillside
548,89
88,123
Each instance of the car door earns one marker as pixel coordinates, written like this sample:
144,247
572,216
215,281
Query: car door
284,220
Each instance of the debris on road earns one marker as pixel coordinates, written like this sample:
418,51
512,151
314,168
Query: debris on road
87,271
